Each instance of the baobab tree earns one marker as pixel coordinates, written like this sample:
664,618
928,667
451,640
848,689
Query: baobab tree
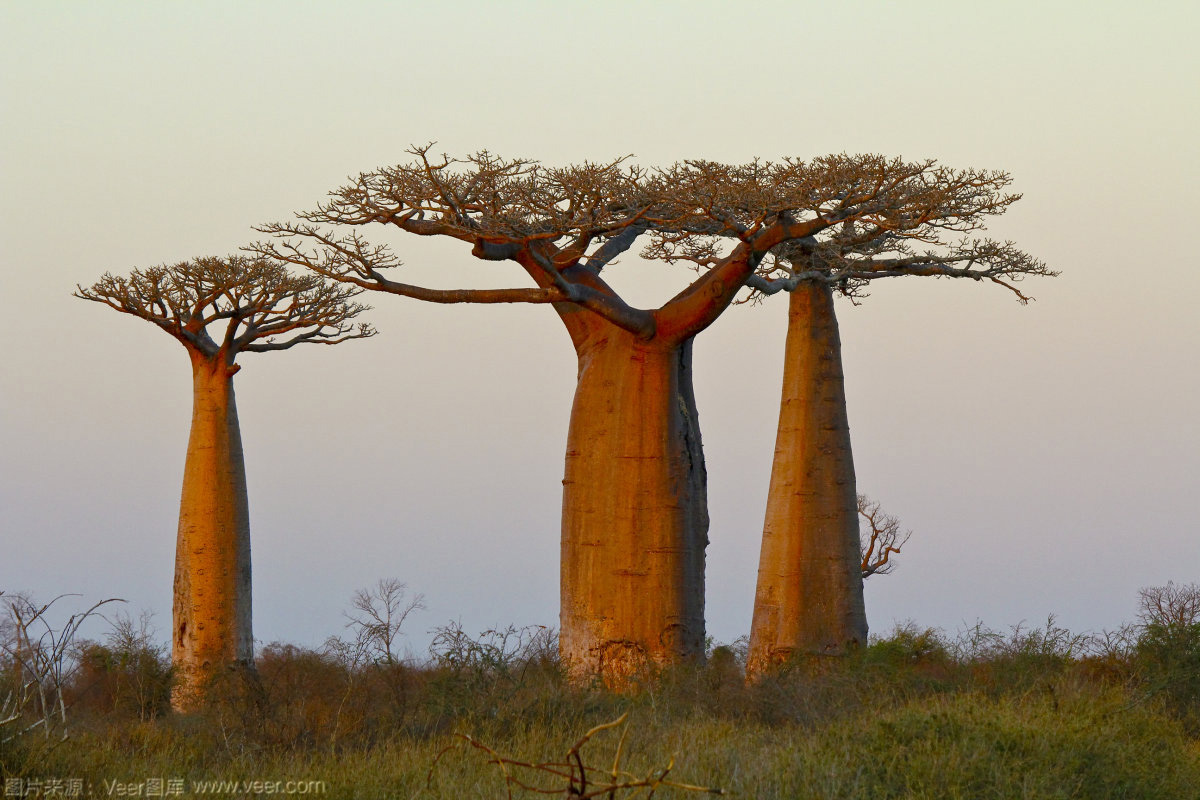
219,308
635,516
809,598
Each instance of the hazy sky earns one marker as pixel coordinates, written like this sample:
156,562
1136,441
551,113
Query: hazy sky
1044,456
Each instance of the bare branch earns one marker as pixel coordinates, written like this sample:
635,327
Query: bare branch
879,538
40,657
842,220
379,614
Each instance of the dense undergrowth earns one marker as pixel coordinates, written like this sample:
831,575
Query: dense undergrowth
1034,712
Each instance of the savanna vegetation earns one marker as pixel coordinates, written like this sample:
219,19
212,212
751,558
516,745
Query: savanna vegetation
628,695
1029,712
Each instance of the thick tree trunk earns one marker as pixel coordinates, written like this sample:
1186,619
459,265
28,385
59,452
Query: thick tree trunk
809,599
211,620
635,514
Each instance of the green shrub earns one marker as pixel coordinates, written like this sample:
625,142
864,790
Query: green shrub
971,745
1167,650
1034,712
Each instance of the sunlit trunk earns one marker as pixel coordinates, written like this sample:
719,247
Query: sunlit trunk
809,599
635,516
211,619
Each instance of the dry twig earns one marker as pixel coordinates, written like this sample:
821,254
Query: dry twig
572,777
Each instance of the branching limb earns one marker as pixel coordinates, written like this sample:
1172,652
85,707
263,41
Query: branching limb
613,247
879,538
584,292
840,219
350,259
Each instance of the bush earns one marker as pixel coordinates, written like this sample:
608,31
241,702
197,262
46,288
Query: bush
970,745
1168,648
128,674
514,669
1031,712
1025,658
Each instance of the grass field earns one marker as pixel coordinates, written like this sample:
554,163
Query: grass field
1028,713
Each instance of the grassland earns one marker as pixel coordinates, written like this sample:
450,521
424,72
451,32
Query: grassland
1028,713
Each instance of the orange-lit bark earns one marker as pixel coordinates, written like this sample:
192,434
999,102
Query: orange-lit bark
635,517
809,599
211,618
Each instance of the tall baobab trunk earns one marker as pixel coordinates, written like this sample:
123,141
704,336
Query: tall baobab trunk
809,599
211,619
635,514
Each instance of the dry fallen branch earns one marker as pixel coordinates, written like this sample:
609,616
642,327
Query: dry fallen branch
572,777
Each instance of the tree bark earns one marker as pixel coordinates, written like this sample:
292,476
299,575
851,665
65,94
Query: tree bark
211,614
809,599
635,514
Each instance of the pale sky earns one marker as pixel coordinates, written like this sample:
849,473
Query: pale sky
1046,457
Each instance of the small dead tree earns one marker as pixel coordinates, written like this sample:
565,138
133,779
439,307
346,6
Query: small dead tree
219,308
37,663
378,613
879,538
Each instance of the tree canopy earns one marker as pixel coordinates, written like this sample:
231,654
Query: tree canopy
839,219
881,218
261,303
